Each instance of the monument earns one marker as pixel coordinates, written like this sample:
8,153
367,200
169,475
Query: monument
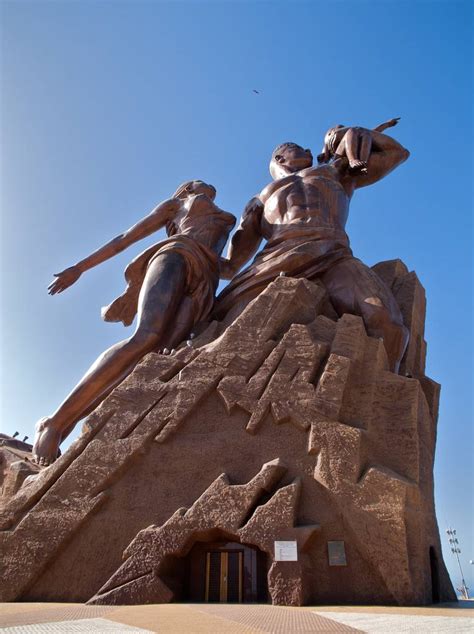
284,453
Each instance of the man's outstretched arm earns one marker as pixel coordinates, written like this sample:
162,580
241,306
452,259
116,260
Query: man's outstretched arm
245,241
387,154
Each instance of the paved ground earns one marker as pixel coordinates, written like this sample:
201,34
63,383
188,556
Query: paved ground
233,619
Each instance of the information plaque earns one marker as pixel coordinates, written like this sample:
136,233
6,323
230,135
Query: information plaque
337,554
286,551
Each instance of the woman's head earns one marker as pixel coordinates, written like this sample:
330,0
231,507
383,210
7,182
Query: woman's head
192,188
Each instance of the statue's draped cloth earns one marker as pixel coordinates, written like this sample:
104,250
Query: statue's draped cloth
298,251
202,277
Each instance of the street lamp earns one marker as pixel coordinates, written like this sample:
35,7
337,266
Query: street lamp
453,542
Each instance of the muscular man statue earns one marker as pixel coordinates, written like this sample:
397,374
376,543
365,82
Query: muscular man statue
171,286
302,214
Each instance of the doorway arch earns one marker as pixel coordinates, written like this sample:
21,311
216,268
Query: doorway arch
226,572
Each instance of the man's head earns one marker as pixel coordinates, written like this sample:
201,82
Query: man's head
289,158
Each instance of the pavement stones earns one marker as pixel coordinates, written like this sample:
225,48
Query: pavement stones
397,623
84,625
178,618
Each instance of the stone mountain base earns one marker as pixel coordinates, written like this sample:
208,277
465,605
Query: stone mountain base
286,426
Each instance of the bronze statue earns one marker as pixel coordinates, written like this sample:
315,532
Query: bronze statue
171,287
354,143
302,215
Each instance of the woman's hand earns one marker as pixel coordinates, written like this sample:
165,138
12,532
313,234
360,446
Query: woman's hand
64,279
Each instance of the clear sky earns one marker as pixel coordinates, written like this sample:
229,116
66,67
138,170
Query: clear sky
107,106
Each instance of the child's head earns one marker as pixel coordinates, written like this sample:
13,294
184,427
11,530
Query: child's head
330,143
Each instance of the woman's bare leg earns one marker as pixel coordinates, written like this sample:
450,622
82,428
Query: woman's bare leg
180,329
160,298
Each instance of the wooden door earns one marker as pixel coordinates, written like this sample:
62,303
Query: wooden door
224,576
225,571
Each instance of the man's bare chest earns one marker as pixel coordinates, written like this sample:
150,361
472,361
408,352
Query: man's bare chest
300,194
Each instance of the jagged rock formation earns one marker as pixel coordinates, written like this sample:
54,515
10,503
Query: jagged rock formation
15,465
222,507
354,445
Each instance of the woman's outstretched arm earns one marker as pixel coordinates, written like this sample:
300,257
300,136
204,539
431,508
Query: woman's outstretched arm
156,220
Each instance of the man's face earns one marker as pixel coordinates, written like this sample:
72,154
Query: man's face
294,158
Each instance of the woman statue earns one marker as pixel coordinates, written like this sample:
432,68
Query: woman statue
171,287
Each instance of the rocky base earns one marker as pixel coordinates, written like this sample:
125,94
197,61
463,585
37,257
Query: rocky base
287,426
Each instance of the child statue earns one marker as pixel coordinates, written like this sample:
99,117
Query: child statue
355,144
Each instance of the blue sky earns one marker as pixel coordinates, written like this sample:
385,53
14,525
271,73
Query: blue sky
107,106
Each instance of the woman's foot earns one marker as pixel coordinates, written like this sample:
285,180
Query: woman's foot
46,445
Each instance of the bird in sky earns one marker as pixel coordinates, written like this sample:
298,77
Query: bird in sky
256,91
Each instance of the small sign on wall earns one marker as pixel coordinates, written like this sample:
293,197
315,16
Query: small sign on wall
286,551
337,554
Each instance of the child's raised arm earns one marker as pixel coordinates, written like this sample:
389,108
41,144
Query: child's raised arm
387,124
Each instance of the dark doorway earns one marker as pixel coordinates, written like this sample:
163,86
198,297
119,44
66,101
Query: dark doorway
226,572
434,575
